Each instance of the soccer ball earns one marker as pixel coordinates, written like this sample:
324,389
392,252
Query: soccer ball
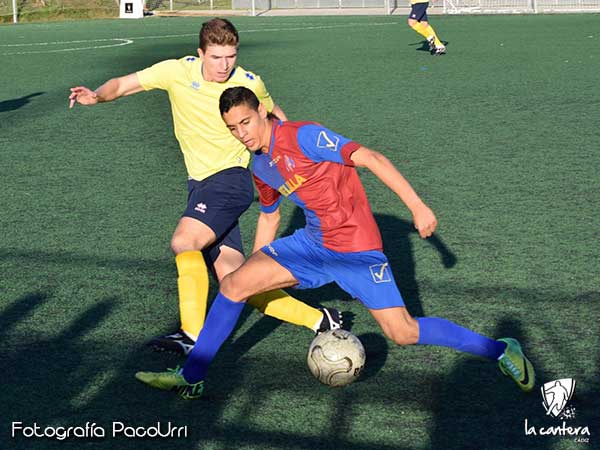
336,358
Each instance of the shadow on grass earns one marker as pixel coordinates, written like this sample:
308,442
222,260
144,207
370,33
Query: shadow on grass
72,379
262,399
16,103
425,46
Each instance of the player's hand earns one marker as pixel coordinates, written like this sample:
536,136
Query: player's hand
425,221
83,96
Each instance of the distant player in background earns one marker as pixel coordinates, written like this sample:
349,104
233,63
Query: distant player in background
315,168
219,183
418,21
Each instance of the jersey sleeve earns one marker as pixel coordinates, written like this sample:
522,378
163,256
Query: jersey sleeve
158,76
268,197
262,94
321,144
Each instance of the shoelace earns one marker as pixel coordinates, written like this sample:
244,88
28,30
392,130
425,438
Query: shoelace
176,371
512,368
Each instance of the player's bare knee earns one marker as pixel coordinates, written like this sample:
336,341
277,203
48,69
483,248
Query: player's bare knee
231,289
181,243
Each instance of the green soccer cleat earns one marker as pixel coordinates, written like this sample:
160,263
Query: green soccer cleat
514,363
172,380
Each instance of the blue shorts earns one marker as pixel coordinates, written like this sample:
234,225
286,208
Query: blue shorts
218,201
418,12
364,275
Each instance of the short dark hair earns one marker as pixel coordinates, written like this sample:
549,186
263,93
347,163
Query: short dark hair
236,96
218,32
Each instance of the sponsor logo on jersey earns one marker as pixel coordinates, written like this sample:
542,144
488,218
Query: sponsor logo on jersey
291,185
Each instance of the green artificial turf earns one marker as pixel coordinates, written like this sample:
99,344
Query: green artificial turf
500,137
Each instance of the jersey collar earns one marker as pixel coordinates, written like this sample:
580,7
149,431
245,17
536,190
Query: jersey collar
276,124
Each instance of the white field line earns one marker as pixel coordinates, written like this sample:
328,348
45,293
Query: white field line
118,42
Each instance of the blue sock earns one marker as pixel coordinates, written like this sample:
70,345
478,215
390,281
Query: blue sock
436,331
219,324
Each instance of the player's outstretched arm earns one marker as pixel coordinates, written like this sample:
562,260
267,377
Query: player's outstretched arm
424,219
278,112
109,91
266,229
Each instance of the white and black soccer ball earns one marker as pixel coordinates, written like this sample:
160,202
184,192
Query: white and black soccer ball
336,358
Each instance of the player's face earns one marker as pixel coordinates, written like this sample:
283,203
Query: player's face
248,126
218,61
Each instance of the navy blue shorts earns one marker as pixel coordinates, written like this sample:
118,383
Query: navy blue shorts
418,12
218,201
364,275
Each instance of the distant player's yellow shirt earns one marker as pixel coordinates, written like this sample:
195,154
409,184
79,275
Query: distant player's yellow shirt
413,2
207,145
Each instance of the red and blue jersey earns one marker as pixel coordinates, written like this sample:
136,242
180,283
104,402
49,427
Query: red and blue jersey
311,165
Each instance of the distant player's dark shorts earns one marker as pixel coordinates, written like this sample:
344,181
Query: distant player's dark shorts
218,201
418,12
364,275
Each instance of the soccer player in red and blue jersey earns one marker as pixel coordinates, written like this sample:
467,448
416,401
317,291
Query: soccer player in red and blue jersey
315,168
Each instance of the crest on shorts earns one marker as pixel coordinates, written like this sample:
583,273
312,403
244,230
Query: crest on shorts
381,273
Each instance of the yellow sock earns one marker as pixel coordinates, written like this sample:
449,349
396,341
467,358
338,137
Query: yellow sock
193,290
284,307
419,28
431,32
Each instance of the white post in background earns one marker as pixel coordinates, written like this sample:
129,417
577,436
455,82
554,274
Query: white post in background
15,16
534,6
253,8
170,5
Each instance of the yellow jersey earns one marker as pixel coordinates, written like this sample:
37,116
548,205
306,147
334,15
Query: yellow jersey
413,2
207,145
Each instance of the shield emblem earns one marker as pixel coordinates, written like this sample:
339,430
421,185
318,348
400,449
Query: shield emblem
556,395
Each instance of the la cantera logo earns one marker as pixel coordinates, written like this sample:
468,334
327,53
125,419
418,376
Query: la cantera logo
556,396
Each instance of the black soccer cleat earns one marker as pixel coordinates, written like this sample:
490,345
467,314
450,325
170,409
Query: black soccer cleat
332,320
440,50
178,343
431,43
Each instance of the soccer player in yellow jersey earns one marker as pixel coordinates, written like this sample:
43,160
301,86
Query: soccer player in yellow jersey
418,21
219,183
